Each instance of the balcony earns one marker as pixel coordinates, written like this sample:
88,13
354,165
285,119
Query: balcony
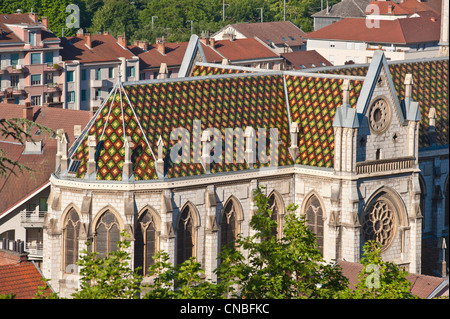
393,164
51,67
13,69
32,219
15,90
35,250
99,83
95,103
53,87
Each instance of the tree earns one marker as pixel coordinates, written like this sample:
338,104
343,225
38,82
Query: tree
110,277
119,17
290,267
380,279
185,281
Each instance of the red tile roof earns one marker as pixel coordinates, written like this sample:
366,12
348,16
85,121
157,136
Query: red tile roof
425,28
14,188
243,49
422,286
23,280
20,18
310,59
278,32
383,8
151,58
104,48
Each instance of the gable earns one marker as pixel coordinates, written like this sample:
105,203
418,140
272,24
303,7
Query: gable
430,90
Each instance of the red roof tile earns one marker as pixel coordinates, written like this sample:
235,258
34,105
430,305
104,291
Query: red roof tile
151,58
243,49
425,28
278,32
23,280
14,188
310,59
422,286
104,48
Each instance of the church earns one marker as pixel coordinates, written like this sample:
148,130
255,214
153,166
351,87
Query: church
174,163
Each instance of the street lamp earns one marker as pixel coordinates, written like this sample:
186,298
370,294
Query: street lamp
261,13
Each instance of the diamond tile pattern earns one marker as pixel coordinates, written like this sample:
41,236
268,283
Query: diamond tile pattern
256,101
223,101
116,120
312,103
430,89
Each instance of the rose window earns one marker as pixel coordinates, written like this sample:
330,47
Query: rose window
379,223
379,116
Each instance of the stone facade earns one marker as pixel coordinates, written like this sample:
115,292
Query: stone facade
371,192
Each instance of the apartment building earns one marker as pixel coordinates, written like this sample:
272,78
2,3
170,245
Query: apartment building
92,65
30,62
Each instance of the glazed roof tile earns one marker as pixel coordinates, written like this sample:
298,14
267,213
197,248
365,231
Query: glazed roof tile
231,97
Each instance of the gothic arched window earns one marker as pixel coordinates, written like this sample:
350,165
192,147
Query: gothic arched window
146,240
186,235
71,231
107,234
275,205
314,216
228,224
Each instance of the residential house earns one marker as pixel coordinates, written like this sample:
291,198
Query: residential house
23,195
355,40
279,36
92,65
30,61
339,11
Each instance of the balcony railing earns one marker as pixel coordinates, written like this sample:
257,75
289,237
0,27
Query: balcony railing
32,217
368,167
34,249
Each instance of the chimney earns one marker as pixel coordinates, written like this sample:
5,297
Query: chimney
212,43
88,40
390,8
33,16
45,22
143,45
161,45
122,40
105,32
28,111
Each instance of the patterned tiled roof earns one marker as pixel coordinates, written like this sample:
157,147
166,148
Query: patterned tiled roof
430,89
313,102
149,110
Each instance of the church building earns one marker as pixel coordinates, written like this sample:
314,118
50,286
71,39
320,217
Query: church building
174,163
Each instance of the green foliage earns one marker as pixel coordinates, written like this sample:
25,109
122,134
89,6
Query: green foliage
134,17
290,267
185,281
110,277
117,17
8,296
380,279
